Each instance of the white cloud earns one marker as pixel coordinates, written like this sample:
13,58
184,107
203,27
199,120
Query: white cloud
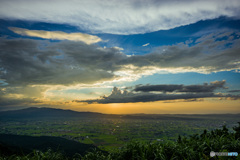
145,44
86,38
118,48
119,17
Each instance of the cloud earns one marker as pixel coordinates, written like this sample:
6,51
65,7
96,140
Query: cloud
146,97
2,82
182,88
26,61
86,38
11,101
234,97
192,93
211,54
161,88
145,44
29,62
118,48
234,90
20,96
119,17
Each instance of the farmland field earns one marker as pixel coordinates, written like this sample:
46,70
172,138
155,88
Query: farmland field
109,132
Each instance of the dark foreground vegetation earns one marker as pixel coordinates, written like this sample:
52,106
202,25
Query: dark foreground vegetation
197,146
21,145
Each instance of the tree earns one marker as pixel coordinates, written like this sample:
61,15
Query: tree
237,129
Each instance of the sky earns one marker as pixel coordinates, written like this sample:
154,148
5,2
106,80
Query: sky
121,57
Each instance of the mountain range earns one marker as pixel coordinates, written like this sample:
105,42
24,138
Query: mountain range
52,113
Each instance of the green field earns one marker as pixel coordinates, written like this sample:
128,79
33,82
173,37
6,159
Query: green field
110,133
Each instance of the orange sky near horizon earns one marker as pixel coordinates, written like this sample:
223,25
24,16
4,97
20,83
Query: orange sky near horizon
208,106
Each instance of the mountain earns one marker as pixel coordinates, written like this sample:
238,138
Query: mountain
46,113
16,144
53,113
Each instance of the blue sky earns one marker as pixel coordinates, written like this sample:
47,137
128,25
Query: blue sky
70,54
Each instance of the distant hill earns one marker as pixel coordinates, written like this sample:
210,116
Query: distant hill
48,113
34,112
16,144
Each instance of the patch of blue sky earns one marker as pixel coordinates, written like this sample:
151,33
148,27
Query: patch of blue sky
32,25
133,44
3,82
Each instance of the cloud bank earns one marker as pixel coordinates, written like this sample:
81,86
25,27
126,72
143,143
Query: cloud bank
207,54
119,17
26,61
185,92
58,35
182,88
30,62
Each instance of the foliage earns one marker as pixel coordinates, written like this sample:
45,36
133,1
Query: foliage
37,155
197,146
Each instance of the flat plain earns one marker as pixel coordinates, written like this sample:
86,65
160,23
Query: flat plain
112,131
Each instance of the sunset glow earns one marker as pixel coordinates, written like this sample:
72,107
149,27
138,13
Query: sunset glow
120,58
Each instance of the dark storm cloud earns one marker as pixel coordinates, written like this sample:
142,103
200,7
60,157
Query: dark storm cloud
182,88
147,97
92,56
128,97
192,92
26,61
162,88
20,95
13,101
